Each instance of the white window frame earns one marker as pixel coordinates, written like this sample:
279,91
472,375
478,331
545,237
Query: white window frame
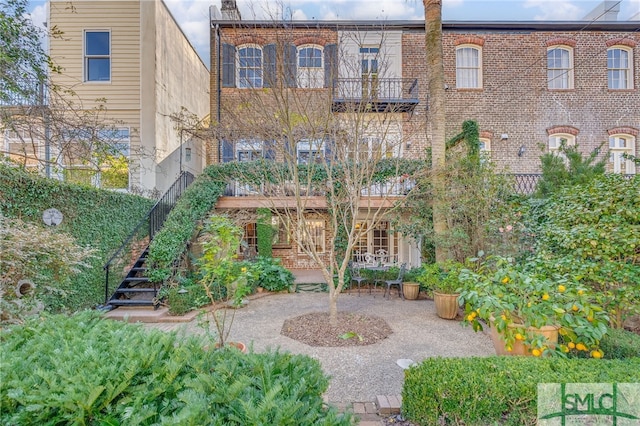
254,148
311,147
560,78
466,70
485,149
310,77
87,57
619,68
314,229
555,141
257,81
620,144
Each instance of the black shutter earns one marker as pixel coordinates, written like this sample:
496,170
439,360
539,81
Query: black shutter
227,151
228,65
290,65
269,151
269,52
330,64
328,149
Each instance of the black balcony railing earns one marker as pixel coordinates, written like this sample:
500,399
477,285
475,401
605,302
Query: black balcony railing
375,94
30,92
525,184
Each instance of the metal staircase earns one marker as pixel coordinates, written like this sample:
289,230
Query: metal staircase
135,288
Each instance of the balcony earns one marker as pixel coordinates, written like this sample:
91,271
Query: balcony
372,94
28,93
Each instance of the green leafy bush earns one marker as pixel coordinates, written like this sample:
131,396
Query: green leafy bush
183,299
271,275
441,277
497,390
86,370
592,231
618,343
95,218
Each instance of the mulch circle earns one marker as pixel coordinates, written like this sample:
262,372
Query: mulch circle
352,329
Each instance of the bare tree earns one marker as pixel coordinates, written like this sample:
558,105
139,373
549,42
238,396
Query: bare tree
336,147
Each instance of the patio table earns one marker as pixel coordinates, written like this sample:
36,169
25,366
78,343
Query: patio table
377,274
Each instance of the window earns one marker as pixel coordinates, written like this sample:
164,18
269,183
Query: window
557,141
369,71
250,67
281,234
485,149
310,151
312,236
619,73
619,145
560,68
246,151
310,67
249,244
468,67
97,56
375,239
98,158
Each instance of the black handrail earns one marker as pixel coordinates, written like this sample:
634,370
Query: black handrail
155,219
374,88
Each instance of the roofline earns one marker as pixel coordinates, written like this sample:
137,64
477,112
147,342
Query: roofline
446,25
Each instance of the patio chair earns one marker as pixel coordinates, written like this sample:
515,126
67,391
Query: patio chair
397,282
355,275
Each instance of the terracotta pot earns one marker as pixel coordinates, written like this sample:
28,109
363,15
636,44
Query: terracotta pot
410,290
446,304
519,348
238,345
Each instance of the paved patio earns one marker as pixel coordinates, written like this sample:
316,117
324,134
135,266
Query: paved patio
358,373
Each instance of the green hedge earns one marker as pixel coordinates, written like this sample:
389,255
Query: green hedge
170,242
94,217
497,390
620,344
86,370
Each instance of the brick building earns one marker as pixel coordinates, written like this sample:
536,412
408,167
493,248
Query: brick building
531,86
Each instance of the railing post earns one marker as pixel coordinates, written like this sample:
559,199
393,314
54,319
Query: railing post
106,285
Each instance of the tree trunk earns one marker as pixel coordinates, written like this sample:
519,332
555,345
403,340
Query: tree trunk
333,306
436,118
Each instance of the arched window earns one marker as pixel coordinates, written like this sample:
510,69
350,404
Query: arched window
310,66
249,66
560,67
485,149
619,67
468,67
619,145
559,140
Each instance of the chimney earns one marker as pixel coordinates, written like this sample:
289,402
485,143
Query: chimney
605,11
230,11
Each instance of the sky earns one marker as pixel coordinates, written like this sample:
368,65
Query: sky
193,15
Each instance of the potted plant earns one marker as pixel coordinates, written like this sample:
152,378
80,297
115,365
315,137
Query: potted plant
223,279
442,280
531,312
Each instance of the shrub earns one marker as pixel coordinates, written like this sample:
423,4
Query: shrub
183,299
86,370
619,343
592,231
271,275
441,277
497,390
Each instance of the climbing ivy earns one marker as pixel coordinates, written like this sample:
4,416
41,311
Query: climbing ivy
264,232
95,218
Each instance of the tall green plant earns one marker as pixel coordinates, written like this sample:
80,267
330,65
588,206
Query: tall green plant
264,232
568,167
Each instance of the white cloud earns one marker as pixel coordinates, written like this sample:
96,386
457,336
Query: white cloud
550,10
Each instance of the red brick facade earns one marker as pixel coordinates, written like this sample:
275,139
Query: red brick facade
513,100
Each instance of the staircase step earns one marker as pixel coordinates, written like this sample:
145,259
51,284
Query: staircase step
139,269
135,290
131,302
136,280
